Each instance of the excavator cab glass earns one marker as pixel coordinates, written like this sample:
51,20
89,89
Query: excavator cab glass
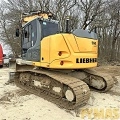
49,28
33,32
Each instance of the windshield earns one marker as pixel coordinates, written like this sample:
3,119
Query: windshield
49,28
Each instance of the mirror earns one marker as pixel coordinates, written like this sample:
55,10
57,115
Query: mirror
4,55
95,29
17,32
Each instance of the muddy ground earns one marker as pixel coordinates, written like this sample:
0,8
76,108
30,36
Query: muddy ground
17,104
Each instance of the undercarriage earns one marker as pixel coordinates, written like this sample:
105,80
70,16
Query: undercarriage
66,89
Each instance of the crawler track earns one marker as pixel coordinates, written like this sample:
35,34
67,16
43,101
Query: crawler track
109,82
80,89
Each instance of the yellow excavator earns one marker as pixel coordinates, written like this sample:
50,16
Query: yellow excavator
55,65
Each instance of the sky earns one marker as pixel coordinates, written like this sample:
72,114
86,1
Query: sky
2,0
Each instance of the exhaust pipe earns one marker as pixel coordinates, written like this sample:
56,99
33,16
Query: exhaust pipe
67,25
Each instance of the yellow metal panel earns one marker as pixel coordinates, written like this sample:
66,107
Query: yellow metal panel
87,45
45,53
39,64
29,18
46,65
87,52
60,48
36,63
71,41
70,63
57,45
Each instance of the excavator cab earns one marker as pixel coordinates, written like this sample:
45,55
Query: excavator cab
32,34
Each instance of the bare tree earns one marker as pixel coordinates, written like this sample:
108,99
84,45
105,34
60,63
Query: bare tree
8,34
115,25
89,10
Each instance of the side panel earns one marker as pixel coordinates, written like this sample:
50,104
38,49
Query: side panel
59,49
45,52
59,52
85,56
34,51
76,61
53,48
31,42
87,45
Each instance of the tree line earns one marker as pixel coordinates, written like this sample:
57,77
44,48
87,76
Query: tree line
104,15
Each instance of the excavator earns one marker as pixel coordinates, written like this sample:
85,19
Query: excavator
56,65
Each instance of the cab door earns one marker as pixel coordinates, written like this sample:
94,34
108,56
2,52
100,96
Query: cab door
31,42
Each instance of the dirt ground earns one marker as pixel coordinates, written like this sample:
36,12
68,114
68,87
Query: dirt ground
17,104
